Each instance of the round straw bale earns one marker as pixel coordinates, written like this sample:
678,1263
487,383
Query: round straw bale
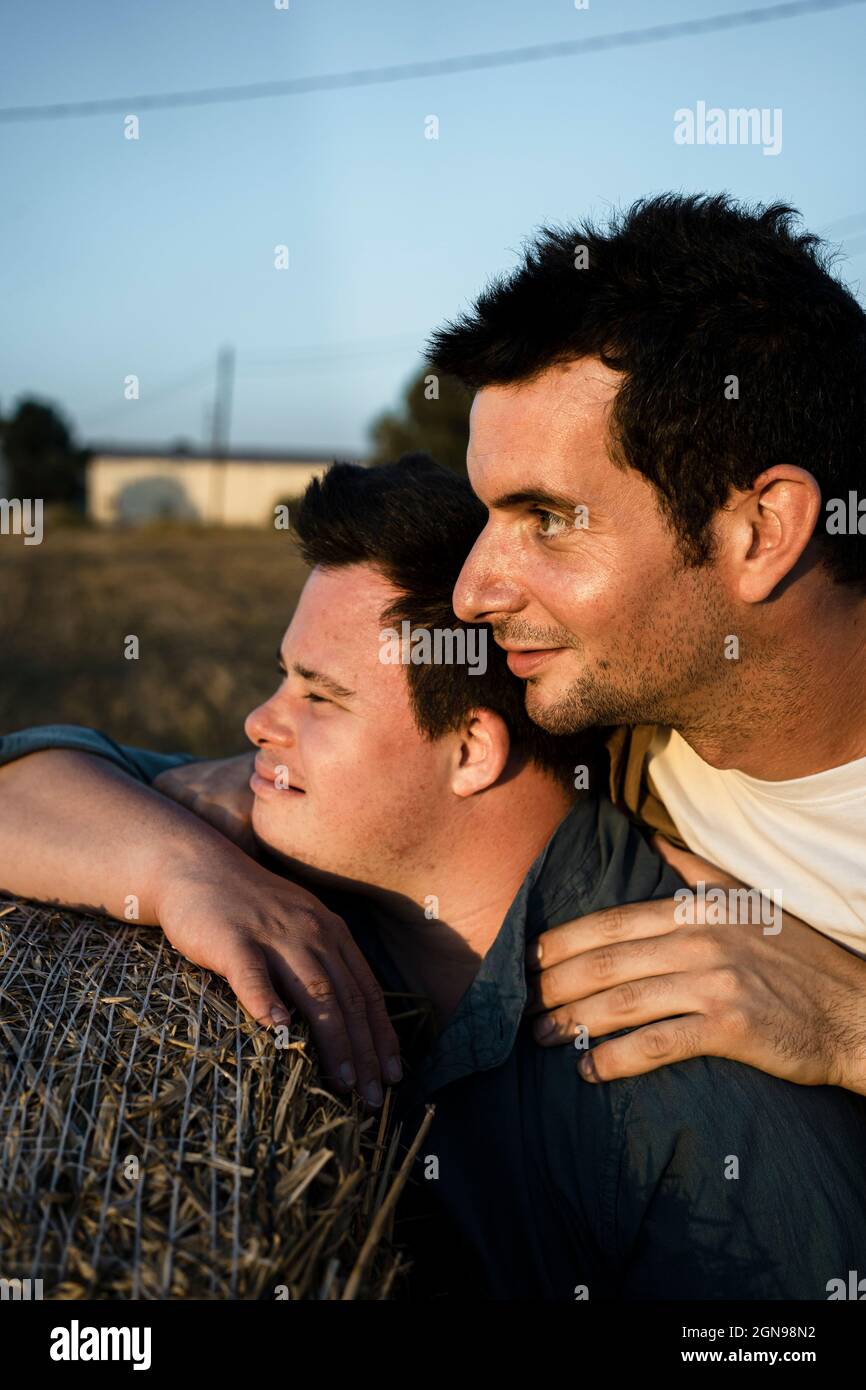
157,1144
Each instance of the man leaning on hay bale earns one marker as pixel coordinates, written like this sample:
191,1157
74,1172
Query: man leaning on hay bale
655,438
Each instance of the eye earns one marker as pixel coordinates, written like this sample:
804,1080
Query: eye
316,699
551,524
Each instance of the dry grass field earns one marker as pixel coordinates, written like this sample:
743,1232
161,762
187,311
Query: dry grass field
208,607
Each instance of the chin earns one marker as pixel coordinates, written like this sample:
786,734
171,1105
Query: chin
321,878
560,711
290,851
552,711
272,837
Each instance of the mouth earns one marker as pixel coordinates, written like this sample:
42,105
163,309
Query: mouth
523,661
263,781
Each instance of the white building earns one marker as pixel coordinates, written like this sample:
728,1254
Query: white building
134,486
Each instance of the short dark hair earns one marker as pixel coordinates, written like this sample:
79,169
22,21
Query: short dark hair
678,293
415,522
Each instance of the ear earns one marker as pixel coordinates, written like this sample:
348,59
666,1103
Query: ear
481,752
767,528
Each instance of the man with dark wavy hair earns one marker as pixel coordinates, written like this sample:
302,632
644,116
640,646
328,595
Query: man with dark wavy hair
669,432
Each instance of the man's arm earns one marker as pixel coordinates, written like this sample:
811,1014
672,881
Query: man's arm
76,828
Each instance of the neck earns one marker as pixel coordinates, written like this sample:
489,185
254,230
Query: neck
796,704
446,917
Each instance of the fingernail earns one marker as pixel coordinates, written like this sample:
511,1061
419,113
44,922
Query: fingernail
534,953
280,1015
373,1093
393,1069
347,1073
587,1068
545,1025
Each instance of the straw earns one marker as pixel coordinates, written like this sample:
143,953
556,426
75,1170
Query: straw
157,1144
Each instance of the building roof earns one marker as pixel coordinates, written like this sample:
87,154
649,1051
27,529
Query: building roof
108,452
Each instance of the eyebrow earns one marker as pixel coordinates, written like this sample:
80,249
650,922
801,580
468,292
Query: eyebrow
537,496
340,692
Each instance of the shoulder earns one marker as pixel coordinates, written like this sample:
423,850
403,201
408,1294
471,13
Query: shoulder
141,763
707,1107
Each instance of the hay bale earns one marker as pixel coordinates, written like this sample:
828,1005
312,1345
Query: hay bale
155,1143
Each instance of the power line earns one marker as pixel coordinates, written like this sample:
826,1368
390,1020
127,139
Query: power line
161,393
404,72
309,357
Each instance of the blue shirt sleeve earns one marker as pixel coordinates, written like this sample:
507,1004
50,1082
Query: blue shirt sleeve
140,763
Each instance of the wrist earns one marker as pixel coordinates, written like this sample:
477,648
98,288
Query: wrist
849,1029
851,1070
197,856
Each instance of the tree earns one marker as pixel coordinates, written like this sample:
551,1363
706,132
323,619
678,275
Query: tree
434,417
41,457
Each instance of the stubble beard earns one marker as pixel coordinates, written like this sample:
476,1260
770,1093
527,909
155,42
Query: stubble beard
675,679
588,702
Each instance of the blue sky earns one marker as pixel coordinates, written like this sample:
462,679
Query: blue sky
145,256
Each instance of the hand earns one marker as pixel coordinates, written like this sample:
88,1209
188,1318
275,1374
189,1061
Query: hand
218,792
275,943
790,1002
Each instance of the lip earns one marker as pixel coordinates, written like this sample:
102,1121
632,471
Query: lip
265,787
523,661
263,782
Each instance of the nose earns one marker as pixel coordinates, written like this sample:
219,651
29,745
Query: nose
484,588
270,723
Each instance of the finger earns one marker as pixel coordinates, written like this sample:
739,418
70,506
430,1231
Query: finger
353,1006
176,791
385,1039
647,1049
227,821
621,923
625,1006
248,975
306,981
164,780
605,966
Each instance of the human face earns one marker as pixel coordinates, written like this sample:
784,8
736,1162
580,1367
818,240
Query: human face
364,787
577,570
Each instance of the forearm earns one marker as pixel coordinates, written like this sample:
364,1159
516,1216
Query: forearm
75,829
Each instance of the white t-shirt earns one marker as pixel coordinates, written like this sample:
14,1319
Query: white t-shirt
806,836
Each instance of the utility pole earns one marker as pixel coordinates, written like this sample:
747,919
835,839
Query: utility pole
222,409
